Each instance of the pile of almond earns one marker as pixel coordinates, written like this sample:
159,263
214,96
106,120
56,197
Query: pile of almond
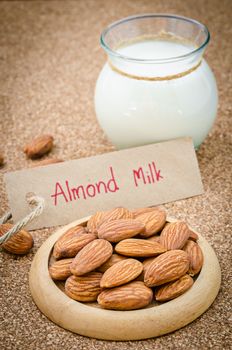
126,259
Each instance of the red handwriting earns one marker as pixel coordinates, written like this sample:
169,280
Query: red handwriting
149,176
67,193
141,176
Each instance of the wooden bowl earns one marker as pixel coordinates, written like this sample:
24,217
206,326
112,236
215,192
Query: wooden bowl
92,321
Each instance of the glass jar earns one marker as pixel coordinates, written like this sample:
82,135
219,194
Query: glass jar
155,86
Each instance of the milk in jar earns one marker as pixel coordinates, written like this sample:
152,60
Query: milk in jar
152,90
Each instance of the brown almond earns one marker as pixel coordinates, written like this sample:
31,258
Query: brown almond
139,211
114,259
39,146
154,239
46,162
121,273
60,270
20,243
71,242
193,235
134,295
195,257
91,257
153,220
174,235
95,221
166,268
135,247
117,213
85,288
174,289
117,230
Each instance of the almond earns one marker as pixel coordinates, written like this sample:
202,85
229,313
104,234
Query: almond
166,268
121,273
117,213
71,242
117,230
20,243
114,259
193,235
60,270
39,146
174,235
153,220
134,295
85,288
174,289
135,247
95,221
154,239
91,257
46,162
139,211
195,257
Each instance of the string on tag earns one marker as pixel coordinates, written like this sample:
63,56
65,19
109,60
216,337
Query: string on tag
37,202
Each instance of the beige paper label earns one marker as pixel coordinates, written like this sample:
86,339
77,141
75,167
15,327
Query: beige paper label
135,177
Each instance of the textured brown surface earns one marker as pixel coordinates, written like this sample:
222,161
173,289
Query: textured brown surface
49,61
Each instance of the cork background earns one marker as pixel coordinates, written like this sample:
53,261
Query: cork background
49,62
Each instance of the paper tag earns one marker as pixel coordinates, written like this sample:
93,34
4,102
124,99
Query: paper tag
135,177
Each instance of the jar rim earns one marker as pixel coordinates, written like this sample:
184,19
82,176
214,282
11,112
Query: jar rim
116,54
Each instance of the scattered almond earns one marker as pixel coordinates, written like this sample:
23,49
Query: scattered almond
1,159
20,243
39,146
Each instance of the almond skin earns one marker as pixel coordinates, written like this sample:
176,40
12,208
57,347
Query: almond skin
39,146
195,257
85,288
95,221
91,257
154,239
173,289
1,159
193,235
60,270
114,259
139,211
174,235
154,221
166,268
20,243
71,242
135,247
121,273
117,230
131,296
117,213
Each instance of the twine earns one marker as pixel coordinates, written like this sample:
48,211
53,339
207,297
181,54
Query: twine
34,200
168,77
